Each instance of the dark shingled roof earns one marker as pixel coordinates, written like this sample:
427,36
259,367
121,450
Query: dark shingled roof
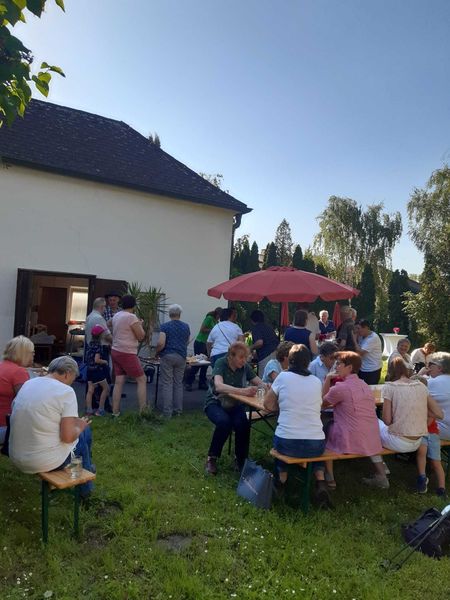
80,144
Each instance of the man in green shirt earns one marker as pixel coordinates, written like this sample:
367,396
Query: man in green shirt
200,348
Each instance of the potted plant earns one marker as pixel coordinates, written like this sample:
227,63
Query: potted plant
150,304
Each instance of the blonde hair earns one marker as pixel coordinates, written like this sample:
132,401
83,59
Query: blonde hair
17,350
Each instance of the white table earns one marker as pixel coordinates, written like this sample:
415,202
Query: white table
390,342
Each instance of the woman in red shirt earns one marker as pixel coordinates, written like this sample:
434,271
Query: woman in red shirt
18,354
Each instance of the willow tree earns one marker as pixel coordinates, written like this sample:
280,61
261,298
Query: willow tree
350,238
429,228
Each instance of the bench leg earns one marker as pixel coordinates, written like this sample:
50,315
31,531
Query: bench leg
44,515
306,488
446,451
76,511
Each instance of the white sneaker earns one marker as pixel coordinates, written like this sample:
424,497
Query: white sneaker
386,469
377,481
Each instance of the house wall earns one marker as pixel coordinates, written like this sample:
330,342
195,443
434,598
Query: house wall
55,223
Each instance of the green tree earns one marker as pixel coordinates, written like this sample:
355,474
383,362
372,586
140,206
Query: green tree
154,139
398,286
283,243
297,257
16,76
365,302
429,228
270,256
245,258
216,179
254,258
350,238
308,262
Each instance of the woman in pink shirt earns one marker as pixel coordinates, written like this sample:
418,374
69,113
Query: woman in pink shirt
18,354
354,429
127,332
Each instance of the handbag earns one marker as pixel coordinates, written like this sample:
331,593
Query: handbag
256,485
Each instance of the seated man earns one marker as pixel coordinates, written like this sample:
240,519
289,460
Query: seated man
45,428
322,364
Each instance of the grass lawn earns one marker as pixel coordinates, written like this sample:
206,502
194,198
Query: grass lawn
158,528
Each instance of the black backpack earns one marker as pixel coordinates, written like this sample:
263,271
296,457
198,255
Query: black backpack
430,533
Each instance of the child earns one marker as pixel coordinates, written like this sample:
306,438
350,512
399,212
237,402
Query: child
430,448
97,371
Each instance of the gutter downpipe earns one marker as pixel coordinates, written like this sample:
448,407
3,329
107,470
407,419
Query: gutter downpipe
236,224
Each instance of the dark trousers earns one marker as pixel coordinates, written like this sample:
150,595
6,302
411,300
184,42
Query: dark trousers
199,348
370,377
226,421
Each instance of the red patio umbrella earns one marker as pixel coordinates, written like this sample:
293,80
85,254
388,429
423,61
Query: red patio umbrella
284,316
282,284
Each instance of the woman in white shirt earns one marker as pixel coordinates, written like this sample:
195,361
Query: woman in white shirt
223,335
297,395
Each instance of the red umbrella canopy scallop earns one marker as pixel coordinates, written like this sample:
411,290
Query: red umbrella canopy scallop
282,284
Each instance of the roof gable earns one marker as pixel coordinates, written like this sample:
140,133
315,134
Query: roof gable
81,144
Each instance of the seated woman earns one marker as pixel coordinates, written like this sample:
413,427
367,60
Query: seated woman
278,364
18,355
299,334
297,395
439,389
230,375
403,347
354,429
406,407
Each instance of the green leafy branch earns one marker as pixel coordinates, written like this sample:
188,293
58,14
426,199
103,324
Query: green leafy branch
16,76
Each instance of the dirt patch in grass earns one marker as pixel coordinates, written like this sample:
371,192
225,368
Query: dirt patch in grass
176,542
96,537
108,508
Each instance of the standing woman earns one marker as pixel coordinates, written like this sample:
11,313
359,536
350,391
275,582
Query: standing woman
209,321
127,332
172,347
230,375
298,334
18,355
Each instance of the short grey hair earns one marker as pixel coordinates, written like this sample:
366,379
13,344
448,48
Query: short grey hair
63,365
323,312
175,310
441,359
98,302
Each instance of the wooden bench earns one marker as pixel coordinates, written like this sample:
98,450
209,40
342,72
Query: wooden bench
307,464
57,481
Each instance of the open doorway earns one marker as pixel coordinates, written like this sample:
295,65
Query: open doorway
51,309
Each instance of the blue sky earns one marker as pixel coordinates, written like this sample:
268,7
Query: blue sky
291,100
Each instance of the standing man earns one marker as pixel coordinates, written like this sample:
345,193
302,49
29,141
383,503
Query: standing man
96,318
345,335
112,305
265,340
45,427
172,347
368,347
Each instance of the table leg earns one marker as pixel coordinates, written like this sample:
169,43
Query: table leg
76,511
44,514
156,386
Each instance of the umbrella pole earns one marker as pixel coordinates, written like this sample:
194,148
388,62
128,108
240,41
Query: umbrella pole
279,321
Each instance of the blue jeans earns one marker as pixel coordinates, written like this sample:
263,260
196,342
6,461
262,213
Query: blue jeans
83,449
298,449
226,421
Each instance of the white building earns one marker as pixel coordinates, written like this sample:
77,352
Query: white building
86,204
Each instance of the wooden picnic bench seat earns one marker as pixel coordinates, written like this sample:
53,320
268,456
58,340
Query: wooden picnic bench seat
307,464
57,481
